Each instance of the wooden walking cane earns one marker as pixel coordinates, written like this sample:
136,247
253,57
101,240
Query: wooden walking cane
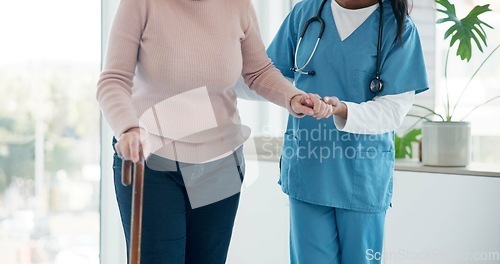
137,195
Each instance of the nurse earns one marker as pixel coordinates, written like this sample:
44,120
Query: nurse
368,64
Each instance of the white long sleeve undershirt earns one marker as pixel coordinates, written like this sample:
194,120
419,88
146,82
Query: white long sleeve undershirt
380,115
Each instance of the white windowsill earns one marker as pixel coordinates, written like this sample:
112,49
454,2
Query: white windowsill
474,169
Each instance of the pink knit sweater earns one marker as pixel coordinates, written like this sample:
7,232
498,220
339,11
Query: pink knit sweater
170,67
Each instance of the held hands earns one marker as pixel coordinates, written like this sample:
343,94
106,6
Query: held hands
314,105
338,108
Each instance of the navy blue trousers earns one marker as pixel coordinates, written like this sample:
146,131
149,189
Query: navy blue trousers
173,232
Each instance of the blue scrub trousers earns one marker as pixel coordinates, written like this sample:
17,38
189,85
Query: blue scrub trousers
173,232
328,235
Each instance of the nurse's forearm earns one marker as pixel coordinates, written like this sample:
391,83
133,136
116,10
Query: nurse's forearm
382,114
341,110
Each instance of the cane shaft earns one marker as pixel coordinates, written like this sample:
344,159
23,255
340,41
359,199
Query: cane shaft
126,172
136,224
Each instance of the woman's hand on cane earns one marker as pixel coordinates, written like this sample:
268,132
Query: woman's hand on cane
129,144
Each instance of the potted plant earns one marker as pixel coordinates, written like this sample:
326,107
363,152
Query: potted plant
446,140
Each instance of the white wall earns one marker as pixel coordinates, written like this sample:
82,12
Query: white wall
443,218
435,219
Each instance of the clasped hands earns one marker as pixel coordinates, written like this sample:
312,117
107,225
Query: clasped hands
315,106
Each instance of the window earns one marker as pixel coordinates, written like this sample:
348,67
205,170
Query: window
485,124
49,142
112,238
484,121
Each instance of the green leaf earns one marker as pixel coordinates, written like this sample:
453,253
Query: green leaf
465,30
403,145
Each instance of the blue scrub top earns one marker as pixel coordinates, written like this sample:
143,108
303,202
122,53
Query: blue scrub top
320,164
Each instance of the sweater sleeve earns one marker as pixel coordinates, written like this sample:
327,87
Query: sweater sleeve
258,71
114,88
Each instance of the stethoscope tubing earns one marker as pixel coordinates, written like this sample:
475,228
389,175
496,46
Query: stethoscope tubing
301,69
316,18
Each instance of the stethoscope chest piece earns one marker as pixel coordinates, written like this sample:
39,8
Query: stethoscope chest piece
376,85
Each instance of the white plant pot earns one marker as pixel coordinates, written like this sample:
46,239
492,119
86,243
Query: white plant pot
446,144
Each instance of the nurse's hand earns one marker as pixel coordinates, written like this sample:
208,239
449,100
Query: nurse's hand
321,108
129,144
338,108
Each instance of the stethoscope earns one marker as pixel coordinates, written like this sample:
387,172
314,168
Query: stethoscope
376,84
